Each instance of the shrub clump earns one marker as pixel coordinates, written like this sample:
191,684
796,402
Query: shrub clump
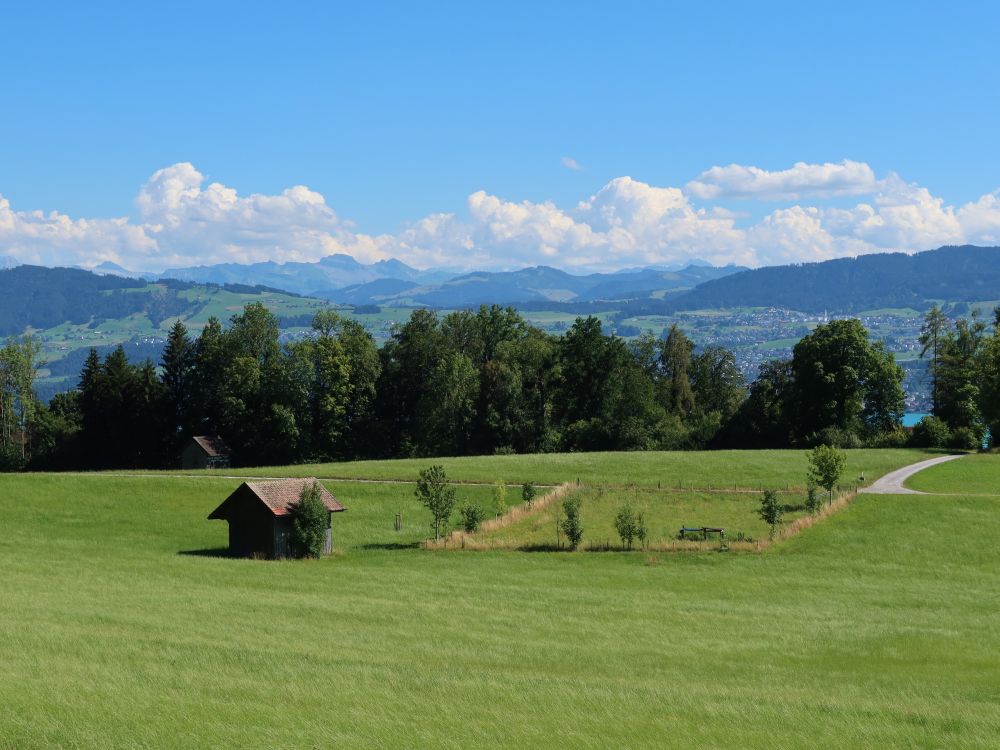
630,525
500,496
472,515
528,493
826,464
309,517
571,525
931,432
813,502
965,439
770,510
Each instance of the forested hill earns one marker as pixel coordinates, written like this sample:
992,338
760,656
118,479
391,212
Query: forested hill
955,274
37,297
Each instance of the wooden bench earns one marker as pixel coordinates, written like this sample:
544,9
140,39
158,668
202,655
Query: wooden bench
703,530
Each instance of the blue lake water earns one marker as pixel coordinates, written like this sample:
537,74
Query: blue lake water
910,419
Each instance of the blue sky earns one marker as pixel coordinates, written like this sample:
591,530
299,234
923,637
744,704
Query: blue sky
394,113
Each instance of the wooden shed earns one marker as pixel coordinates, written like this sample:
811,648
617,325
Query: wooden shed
260,517
205,452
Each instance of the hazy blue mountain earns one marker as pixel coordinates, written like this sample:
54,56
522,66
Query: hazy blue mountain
956,274
535,285
373,292
332,272
647,281
107,267
343,279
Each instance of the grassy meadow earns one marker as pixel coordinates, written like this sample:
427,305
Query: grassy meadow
977,474
777,469
121,627
664,512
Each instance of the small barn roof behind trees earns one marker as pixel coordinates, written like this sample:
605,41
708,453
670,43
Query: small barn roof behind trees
205,452
260,516
213,445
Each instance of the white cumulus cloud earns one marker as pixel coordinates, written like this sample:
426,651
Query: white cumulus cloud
184,219
799,181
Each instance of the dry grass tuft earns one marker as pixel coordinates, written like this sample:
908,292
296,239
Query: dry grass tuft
840,502
460,539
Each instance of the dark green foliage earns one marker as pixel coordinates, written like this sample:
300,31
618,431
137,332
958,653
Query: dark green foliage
965,439
472,515
988,365
813,502
120,408
528,493
473,383
852,284
675,361
931,432
957,379
770,510
309,522
838,437
932,335
764,419
841,380
435,494
571,524
838,388
178,375
717,383
36,297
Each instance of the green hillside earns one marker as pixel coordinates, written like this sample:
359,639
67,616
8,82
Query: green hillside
68,311
121,629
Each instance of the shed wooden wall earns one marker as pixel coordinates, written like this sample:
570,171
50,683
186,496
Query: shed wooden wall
193,457
251,529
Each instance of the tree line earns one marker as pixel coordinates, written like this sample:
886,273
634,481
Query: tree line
964,363
470,382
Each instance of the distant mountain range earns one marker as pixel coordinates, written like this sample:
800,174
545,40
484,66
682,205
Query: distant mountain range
35,297
340,278
538,284
317,279
953,274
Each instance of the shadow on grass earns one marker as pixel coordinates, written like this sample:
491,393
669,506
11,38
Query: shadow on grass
207,552
390,545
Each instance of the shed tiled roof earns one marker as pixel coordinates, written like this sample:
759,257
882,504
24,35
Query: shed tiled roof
213,445
279,494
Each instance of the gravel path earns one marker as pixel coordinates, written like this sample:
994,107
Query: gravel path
892,483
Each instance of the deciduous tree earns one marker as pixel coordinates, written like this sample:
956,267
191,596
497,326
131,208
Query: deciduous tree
435,494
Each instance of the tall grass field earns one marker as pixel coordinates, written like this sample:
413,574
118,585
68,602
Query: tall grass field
121,626
776,469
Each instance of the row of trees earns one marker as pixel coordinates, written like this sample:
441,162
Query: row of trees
838,388
470,382
964,364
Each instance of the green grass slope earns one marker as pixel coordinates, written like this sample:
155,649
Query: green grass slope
664,513
875,628
681,469
977,474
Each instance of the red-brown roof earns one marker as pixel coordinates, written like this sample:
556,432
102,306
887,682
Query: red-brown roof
278,495
213,445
